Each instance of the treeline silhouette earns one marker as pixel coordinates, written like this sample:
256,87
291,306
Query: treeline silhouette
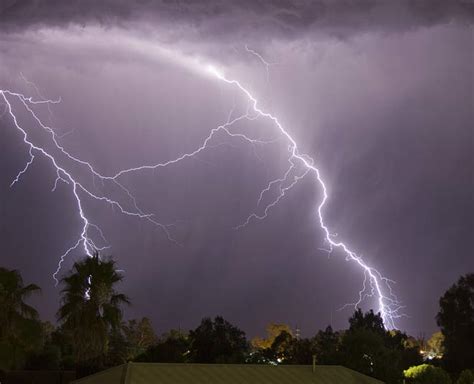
91,335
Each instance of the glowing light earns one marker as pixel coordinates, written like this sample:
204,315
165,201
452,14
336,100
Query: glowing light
213,70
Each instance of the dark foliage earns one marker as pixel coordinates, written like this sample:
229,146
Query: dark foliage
217,341
20,330
366,321
92,336
90,308
326,347
171,348
118,349
368,348
456,320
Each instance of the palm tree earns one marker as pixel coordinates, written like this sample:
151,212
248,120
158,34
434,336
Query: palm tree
13,294
91,306
19,327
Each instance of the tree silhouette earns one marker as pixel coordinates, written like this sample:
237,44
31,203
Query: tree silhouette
91,307
326,345
139,335
217,341
368,348
20,331
456,320
173,347
368,321
13,294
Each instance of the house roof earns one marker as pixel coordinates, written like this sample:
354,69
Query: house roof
145,373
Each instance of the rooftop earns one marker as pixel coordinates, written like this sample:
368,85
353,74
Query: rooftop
145,373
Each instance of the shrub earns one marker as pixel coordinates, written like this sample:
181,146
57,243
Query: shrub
426,374
466,377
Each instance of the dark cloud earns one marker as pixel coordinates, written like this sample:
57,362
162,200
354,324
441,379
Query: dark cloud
226,18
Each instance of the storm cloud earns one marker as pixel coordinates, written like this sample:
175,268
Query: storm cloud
228,19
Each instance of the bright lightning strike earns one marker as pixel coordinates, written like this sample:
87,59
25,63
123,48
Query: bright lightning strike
300,165
265,63
380,287
78,189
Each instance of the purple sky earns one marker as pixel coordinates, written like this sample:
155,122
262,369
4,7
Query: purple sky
379,93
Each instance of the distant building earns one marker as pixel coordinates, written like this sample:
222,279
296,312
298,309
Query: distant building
147,373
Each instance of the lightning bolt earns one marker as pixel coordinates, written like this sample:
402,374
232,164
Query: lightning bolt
299,166
380,287
78,188
264,62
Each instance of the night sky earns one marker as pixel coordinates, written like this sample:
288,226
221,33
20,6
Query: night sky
379,93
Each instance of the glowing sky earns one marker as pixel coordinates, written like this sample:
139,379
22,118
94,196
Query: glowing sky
380,95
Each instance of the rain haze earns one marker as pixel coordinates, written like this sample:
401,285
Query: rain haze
378,93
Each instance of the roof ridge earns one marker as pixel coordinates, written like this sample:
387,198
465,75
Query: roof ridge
97,373
127,373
